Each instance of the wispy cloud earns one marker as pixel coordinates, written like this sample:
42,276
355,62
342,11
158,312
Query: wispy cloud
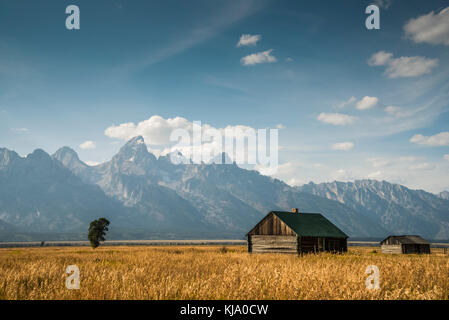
23,130
88,145
258,58
336,119
367,103
378,162
403,67
348,102
249,40
440,139
343,146
422,166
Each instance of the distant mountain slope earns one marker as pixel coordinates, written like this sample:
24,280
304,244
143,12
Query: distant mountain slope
149,197
444,195
39,194
224,198
394,207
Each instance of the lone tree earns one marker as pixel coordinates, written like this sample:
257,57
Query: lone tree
97,231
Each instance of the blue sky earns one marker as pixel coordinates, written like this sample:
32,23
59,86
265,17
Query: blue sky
352,103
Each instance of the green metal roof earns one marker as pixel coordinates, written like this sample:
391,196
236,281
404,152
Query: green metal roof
310,224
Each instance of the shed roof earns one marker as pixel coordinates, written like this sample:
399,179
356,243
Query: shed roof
310,224
407,239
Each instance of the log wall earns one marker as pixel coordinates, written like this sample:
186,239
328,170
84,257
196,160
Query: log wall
391,248
272,244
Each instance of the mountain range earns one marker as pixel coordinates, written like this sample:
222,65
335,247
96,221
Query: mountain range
45,197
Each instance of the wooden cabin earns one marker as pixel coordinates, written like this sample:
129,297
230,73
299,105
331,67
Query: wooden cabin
405,244
294,232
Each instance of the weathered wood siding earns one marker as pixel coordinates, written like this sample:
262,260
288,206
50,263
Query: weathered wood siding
406,248
272,244
415,248
271,234
391,248
272,225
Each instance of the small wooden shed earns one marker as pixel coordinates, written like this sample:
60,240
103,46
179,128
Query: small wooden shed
405,244
294,232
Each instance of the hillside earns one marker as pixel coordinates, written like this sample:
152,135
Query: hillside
150,198
394,207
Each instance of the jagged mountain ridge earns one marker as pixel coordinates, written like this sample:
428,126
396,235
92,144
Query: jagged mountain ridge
152,197
38,194
222,196
395,207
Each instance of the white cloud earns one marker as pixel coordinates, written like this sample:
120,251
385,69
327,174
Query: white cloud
403,67
367,103
20,130
295,182
337,119
422,166
408,159
380,58
446,157
378,162
257,58
289,59
92,163
342,175
440,139
88,145
406,67
248,40
375,175
343,146
156,132
346,103
429,28
280,126
399,112
395,111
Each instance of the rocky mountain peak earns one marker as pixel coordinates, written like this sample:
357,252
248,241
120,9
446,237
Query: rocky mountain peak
67,156
7,157
134,157
39,155
134,147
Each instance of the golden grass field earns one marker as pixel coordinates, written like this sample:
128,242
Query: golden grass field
211,272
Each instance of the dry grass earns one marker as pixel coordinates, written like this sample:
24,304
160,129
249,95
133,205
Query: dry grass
214,273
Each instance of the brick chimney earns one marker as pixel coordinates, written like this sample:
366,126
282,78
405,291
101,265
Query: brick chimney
295,210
